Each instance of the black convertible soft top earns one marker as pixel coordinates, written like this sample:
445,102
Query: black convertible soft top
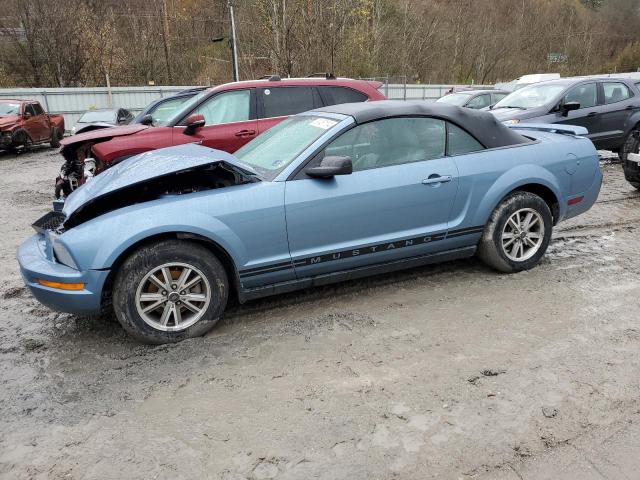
482,125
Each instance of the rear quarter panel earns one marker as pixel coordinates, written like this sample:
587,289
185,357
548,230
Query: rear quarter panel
57,121
564,164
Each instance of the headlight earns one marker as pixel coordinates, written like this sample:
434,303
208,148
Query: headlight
62,254
513,121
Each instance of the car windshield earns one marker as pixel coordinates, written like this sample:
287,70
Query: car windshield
9,109
274,150
182,110
458,99
98,116
532,96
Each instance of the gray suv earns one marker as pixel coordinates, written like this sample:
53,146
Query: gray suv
608,107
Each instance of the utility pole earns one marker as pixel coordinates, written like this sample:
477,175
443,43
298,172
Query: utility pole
234,50
167,54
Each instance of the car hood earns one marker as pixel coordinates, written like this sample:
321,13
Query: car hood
146,176
9,120
503,114
103,133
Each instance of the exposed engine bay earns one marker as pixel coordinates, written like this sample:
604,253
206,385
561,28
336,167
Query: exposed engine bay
204,177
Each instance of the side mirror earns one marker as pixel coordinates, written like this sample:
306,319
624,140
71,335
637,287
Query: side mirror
330,167
147,120
193,122
565,108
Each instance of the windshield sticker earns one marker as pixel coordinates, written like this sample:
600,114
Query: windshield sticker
323,123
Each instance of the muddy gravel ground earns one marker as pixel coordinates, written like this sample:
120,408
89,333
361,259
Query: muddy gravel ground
448,371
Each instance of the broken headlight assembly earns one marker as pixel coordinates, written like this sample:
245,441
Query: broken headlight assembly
62,254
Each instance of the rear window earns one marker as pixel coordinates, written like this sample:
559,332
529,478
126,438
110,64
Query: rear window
460,142
615,92
337,95
280,101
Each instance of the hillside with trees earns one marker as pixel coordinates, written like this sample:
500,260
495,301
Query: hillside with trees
186,42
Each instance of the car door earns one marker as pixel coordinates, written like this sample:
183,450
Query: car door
619,103
395,204
35,124
588,115
230,121
277,103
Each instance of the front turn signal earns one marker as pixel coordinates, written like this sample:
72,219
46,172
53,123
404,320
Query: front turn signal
60,285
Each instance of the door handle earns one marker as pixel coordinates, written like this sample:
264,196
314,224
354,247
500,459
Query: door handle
435,178
592,114
245,133
630,107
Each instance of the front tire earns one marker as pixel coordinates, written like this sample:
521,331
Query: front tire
631,144
170,291
517,234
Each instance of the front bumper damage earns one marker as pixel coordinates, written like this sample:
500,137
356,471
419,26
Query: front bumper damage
38,263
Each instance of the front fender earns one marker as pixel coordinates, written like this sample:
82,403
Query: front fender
117,231
512,179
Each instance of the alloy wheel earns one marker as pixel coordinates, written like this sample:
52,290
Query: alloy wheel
522,235
173,296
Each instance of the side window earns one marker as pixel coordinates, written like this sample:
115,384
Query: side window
164,110
280,101
393,141
585,95
37,109
227,107
480,101
337,95
615,92
498,96
29,109
460,142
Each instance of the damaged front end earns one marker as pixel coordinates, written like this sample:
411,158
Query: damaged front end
171,171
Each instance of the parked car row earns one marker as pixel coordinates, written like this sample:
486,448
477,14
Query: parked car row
254,188
224,117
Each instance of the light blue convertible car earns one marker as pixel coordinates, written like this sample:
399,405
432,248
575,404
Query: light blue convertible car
346,191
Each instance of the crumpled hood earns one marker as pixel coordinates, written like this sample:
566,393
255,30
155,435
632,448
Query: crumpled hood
146,166
9,121
104,133
503,114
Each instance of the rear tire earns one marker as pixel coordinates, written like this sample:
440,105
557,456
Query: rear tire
155,309
517,234
56,136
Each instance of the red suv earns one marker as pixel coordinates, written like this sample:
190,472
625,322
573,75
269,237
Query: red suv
224,117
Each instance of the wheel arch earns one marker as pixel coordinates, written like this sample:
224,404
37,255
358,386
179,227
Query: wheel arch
544,192
215,248
536,180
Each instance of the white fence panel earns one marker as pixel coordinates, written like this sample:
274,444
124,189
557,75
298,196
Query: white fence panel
72,102
400,91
